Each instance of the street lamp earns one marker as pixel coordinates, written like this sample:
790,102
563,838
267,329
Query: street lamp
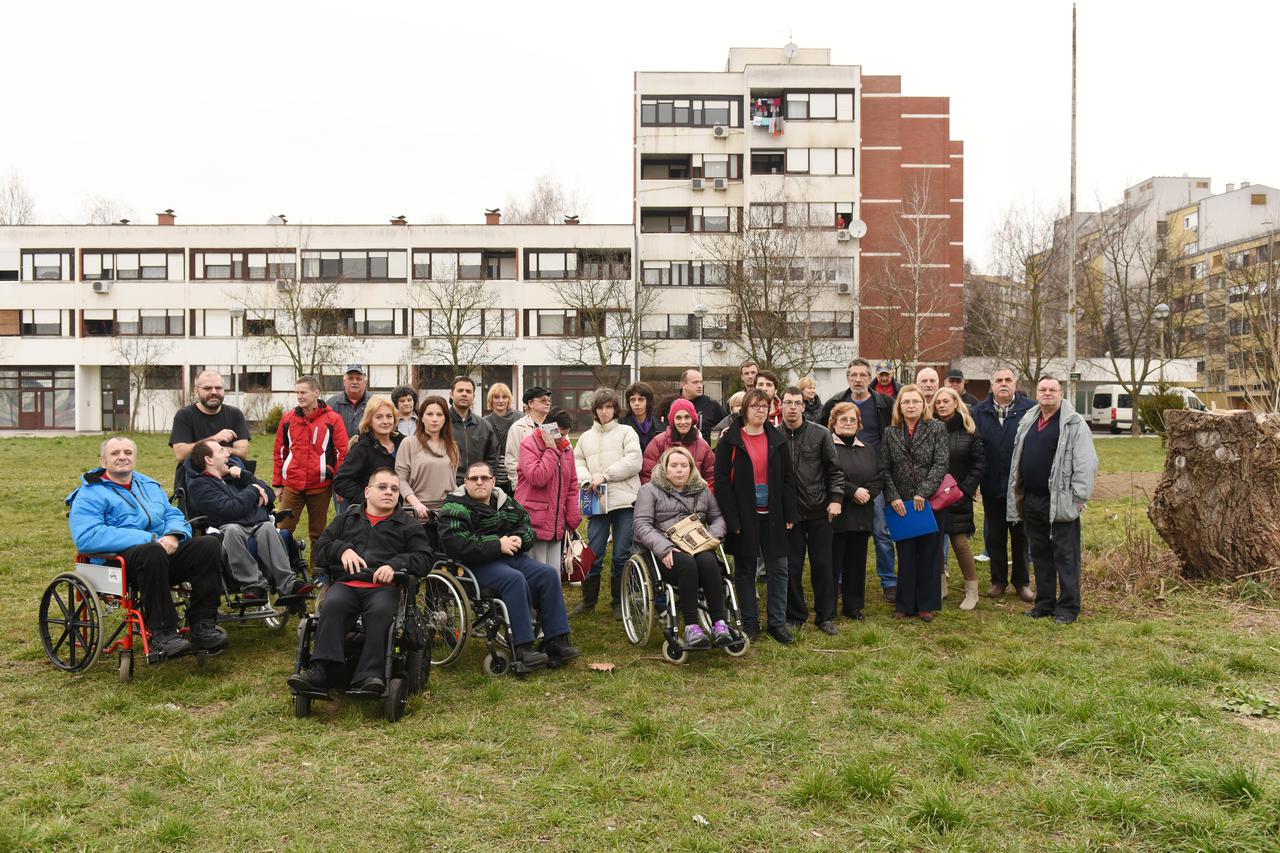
700,311
236,310
1161,314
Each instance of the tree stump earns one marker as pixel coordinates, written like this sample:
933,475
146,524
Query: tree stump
1217,503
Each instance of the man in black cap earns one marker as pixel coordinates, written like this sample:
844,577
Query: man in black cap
537,405
350,403
955,381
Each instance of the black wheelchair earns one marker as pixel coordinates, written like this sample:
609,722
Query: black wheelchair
408,664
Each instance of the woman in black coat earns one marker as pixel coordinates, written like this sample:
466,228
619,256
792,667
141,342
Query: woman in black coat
372,448
968,462
852,527
756,490
640,415
914,456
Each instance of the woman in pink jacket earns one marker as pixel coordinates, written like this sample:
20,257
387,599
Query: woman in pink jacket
547,487
683,432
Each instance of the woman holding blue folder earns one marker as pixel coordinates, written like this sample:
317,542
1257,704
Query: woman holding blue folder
914,455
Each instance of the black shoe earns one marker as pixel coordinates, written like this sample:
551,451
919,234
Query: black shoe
169,644
559,650
527,657
1064,618
373,685
856,616
890,594
313,681
752,632
299,592
254,595
782,635
617,612
1036,613
828,628
208,637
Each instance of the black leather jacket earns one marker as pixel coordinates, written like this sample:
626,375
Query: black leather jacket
819,478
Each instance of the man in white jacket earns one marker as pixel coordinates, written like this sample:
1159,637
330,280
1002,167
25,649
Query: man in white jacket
608,458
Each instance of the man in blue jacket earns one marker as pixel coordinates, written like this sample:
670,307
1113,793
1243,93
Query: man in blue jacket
116,510
997,420
221,489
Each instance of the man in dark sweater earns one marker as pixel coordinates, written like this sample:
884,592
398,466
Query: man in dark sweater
1051,477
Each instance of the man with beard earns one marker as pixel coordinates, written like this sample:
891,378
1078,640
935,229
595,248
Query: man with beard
208,418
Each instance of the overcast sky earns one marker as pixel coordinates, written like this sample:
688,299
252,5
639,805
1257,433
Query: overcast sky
344,112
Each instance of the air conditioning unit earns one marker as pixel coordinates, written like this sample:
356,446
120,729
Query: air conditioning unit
720,183
417,343
720,131
719,346
697,184
284,285
842,235
102,287
844,288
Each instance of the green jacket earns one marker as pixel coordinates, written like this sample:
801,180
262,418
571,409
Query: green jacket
470,530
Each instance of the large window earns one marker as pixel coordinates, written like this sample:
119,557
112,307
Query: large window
819,161
679,166
354,265
800,214
362,322
604,264
487,323
550,324
684,274
685,326
130,322
243,265
45,322
544,264
48,265
766,161
655,220
819,106
37,398
463,265
690,111
154,265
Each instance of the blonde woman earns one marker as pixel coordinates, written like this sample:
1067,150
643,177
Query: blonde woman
373,447
968,460
812,402
502,414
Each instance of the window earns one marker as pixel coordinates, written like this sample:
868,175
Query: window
690,111
354,265
684,327
1257,198
260,327
711,219
131,266
1191,221
374,322
660,221
148,321
316,321
550,264
37,398
830,324
664,168
717,166
768,215
768,162
455,265
9,265
550,324
819,106
819,161
246,265
1198,270
799,214
164,377
48,265
44,322
606,264
684,273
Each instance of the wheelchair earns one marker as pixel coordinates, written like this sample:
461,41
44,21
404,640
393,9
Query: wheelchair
234,607
76,611
647,598
408,665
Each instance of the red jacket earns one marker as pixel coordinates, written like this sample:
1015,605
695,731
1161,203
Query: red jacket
309,448
547,487
701,451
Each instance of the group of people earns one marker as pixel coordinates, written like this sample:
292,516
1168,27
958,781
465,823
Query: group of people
791,482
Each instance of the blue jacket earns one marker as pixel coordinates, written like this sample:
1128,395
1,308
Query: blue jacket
226,501
106,518
998,441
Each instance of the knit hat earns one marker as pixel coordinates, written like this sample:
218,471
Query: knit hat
682,405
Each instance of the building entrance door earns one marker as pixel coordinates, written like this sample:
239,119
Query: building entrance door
115,398
35,410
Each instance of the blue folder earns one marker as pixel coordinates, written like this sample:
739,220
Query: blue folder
914,523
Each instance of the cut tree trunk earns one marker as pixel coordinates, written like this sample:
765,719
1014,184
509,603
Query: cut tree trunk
1217,501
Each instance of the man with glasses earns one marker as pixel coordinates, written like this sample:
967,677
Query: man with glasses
487,530
208,418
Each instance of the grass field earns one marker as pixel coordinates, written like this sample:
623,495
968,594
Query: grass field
982,731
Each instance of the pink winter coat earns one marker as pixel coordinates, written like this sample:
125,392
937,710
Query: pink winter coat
701,451
550,500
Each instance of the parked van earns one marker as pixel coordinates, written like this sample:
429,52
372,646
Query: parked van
1113,406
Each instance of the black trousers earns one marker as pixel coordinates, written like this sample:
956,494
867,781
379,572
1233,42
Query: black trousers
688,573
849,556
151,571
919,574
999,532
1055,554
815,536
342,604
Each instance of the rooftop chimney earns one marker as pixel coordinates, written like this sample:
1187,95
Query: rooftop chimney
1231,188
166,217
123,222
493,217
400,220
571,219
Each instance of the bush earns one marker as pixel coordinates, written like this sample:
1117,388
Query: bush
1151,408
272,422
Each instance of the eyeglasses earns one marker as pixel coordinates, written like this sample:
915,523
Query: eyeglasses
793,402
759,407
847,420
480,478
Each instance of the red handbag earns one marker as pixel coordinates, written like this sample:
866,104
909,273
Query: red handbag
576,559
948,493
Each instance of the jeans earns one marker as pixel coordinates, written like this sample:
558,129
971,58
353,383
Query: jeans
744,581
1055,553
884,547
342,604
523,583
813,535
598,528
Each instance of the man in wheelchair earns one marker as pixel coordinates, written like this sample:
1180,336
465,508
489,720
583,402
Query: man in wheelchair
361,550
117,510
484,528
221,489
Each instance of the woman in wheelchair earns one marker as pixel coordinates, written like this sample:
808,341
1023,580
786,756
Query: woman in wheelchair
675,491
361,550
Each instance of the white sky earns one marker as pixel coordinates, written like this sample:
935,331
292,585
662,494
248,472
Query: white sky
344,112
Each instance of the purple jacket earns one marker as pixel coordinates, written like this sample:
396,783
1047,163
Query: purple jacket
550,500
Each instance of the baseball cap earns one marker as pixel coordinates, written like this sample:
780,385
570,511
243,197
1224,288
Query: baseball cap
884,367
955,373
355,368
531,394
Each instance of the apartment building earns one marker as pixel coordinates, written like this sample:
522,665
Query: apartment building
103,324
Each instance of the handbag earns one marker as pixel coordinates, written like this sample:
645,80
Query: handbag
576,558
948,493
691,536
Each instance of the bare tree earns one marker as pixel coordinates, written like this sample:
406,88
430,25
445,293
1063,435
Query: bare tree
547,203
778,290
105,211
463,323
141,356
603,314
905,294
17,207
1253,324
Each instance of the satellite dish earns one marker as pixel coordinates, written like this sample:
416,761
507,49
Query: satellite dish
790,50
275,220
857,229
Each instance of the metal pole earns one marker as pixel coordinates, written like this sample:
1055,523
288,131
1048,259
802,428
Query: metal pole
1072,247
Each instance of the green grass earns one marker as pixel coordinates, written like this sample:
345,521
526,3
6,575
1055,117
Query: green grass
1128,453
981,731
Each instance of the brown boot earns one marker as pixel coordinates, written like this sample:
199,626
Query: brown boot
995,590
1025,593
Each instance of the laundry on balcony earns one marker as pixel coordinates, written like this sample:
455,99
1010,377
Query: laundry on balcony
767,113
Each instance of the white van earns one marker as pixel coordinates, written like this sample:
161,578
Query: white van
1113,406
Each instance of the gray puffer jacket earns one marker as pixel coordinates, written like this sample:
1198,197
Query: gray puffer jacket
1075,466
660,505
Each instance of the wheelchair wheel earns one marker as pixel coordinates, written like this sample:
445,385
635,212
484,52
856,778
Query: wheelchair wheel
637,600
417,672
125,666
71,623
738,649
278,621
497,663
446,610
301,705
393,703
673,652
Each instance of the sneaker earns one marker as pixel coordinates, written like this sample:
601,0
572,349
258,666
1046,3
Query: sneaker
983,558
782,635
372,685
828,628
696,638
559,650
169,644
720,634
313,681
208,637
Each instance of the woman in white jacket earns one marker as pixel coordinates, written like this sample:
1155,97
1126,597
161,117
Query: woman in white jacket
608,458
